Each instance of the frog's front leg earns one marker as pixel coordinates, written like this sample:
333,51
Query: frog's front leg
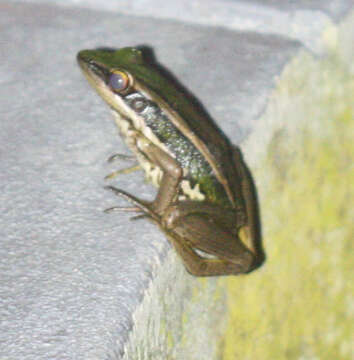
126,170
169,184
171,178
193,226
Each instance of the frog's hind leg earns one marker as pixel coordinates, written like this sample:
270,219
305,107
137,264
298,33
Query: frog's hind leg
253,231
200,266
206,243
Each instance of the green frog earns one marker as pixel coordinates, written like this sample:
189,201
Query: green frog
206,201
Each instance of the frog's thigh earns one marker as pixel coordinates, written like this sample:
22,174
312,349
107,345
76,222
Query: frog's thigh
197,231
226,218
198,266
203,233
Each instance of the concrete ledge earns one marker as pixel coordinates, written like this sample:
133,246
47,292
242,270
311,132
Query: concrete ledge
300,20
77,283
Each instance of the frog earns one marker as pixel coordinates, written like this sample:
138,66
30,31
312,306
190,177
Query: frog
206,202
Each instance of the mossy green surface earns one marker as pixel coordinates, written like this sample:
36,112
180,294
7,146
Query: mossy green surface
300,305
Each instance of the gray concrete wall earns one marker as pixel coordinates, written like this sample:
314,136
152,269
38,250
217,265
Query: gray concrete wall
80,284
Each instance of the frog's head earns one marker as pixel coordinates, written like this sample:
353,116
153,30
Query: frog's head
110,72
116,73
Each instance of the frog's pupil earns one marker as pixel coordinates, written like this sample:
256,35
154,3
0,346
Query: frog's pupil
117,82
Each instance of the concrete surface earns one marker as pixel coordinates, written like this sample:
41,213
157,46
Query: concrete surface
72,277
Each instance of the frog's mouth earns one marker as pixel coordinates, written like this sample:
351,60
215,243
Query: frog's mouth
91,68
98,76
88,65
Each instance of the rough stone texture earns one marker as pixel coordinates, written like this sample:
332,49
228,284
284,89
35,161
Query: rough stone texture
71,276
302,20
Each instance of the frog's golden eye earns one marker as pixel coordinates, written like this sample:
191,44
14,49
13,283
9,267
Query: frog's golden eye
118,81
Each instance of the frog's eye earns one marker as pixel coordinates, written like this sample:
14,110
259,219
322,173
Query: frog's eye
118,81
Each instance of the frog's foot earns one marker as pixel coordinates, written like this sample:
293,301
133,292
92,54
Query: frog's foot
123,157
126,170
140,205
